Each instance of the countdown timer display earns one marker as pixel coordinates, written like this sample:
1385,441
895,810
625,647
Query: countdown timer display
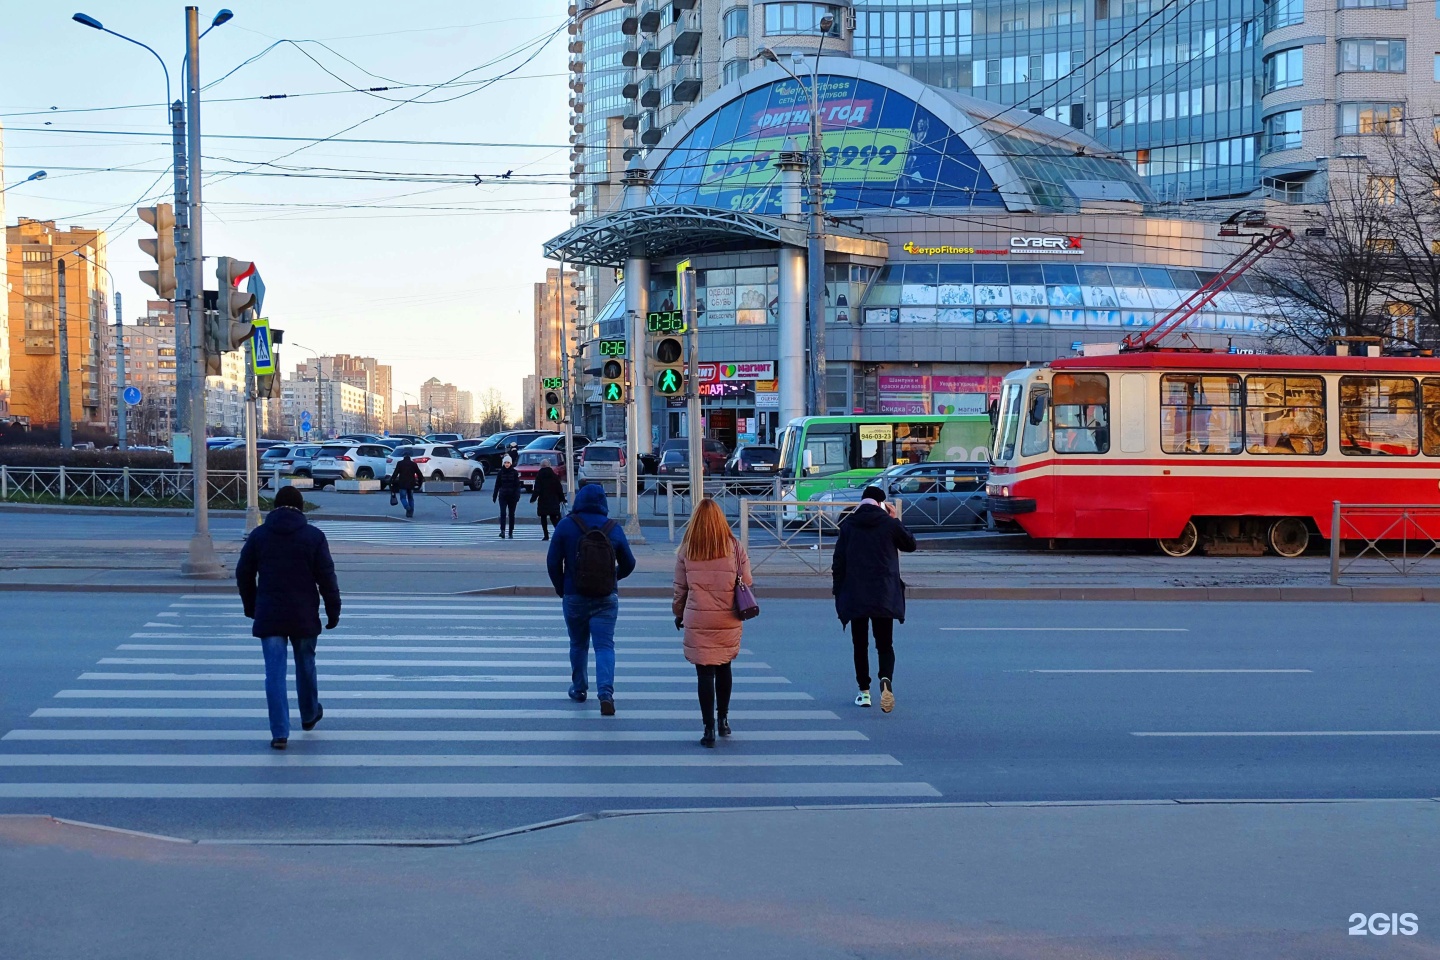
669,322
612,348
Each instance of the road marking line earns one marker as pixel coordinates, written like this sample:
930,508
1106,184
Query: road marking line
229,599
586,714
1069,629
402,695
561,760
1162,671
393,678
410,791
438,736
1289,733
627,663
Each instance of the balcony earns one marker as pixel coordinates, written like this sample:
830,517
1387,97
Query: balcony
687,82
630,56
631,120
577,66
687,34
630,24
577,84
650,92
649,56
651,132
577,209
650,15
577,46
684,4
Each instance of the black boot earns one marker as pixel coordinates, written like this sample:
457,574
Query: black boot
708,738
724,726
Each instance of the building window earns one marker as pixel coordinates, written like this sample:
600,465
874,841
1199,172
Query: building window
1280,131
736,23
800,18
1286,68
1285,13
735,69
1381,189
1370,4
1372,56
1371,119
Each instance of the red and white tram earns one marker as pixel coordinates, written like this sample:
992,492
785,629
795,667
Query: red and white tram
1228,453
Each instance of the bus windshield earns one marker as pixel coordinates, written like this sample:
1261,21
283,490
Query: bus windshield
790,452
1008,429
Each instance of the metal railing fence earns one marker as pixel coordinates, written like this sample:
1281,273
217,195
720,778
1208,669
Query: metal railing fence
1393,540
125,485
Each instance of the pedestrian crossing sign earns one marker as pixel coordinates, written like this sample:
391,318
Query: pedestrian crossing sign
668,382
262,357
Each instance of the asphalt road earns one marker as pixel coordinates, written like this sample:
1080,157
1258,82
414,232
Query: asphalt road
447,717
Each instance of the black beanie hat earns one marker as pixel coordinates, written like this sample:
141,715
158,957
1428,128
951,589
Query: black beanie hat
873,493
289,497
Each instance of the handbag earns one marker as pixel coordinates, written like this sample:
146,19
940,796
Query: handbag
746,606
394,499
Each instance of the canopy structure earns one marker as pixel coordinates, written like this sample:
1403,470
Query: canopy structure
654,232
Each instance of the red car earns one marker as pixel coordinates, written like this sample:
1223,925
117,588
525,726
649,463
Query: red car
532,460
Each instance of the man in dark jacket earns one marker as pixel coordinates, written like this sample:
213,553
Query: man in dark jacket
507,494
405,481
548,495
291,560
868,589
589,612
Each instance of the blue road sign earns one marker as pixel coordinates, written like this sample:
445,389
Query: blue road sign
132,395
262,357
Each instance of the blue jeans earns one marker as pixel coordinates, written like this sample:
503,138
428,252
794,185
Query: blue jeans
276,695
407,500
587,619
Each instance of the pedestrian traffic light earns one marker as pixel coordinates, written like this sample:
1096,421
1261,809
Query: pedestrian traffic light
613,376
554,405
669,354
161,249
229,327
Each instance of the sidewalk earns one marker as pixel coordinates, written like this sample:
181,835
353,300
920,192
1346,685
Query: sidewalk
1121,881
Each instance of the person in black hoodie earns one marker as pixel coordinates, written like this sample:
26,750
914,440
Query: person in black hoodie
507,494
291,562
548,494
868,589
405,481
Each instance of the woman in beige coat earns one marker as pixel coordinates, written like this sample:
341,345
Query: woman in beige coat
707,565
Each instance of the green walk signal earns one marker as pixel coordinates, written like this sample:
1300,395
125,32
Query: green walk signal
614,393
668,382
553,414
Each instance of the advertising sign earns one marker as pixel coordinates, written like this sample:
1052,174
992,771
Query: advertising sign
877,431
755,370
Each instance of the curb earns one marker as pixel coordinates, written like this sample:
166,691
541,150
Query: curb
44,508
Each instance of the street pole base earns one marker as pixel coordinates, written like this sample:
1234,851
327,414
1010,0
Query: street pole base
202,563
633,533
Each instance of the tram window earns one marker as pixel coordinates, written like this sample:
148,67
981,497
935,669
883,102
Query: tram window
1379,417
1200,414
1007,429
1430,417
1081,412
1285,416
1036,439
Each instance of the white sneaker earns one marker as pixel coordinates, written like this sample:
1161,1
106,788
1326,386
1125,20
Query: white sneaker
862,699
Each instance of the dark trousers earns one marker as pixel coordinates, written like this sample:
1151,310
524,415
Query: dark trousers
714,688
507,516
545,520
884,628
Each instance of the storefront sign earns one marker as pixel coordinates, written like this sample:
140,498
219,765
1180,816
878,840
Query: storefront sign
726,388
945,250
904,384
1070,245
744,370
767,386
877,431
908,407
767,401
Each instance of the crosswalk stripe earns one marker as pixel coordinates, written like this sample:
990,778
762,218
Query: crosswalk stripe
415,791
529,615
367,648
629,678
259,694
250,661
561,760
341,634
435,598
420,534
436,736
577,714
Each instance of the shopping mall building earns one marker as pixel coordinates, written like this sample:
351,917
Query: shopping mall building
962,240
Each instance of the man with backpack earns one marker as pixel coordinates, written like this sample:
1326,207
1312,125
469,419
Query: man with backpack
589,556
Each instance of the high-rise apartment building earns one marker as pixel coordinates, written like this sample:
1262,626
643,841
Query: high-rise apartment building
556,310
4,307
364,373
34,251
150,366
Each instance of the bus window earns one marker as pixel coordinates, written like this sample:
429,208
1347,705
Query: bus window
1284,416
1430,418
1008,428
1037,423
1200,414
915,442
1379,417
1081,412
826,453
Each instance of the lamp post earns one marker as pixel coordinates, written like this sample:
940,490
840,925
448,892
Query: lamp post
319,389
120,431
815,241
37,175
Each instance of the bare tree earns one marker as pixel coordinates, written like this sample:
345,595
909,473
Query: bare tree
492,412
38,393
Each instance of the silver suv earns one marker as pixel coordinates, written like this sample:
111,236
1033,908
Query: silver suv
348,461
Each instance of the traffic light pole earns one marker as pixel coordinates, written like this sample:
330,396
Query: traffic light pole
685,281
121,434
201,562
252,463
64,335
567,414
183,269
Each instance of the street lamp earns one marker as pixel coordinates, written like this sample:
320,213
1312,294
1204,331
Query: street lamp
815,268
319,388
120,431
37,175
89,21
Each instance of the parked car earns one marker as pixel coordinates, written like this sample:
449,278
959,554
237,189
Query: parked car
401,439
296,461
221,443
346,460
601,461
532,460
673,462
361,438
276,458
713,451
931,495
439,461
490,452
556,441
442,437
751,459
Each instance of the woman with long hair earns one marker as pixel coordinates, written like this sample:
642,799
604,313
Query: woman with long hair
707,565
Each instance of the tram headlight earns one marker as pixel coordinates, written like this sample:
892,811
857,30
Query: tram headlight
997,491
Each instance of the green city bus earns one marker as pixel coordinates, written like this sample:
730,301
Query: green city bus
822,453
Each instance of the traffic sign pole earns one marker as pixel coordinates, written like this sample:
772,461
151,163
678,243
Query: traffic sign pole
685,282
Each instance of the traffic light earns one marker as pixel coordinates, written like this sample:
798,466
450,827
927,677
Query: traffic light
267,385
228,327
161,249
554,403
613,376
669,354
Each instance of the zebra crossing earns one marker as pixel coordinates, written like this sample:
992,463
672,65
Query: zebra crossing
431,697
414,534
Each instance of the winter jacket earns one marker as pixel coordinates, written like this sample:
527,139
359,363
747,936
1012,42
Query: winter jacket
507,486
866,569
705,598
407,476
291,561
592,508
548,493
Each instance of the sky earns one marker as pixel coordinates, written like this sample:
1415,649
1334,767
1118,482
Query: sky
387,249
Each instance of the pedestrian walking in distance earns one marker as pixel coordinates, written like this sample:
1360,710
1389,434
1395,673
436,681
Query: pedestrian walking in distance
548,494
589,556
708,565
507,494
284,572
868,590
405,481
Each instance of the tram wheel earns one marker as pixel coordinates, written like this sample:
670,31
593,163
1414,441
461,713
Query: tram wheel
1289,537
1183,545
